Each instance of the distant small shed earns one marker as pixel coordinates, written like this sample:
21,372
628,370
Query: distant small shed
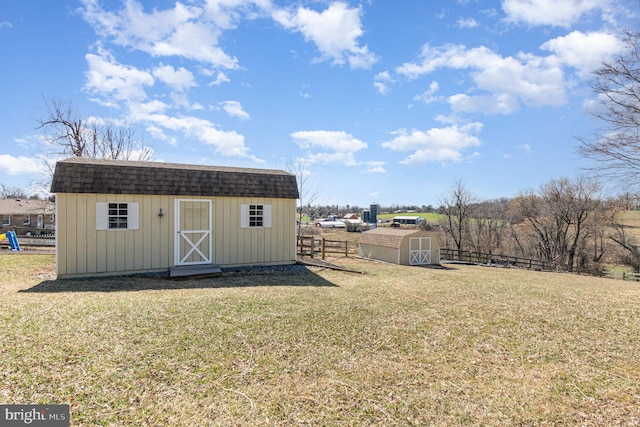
400,246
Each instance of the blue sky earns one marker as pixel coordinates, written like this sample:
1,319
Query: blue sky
382,101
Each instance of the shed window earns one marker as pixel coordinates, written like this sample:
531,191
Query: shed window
27,220
117,216
6,220
255,216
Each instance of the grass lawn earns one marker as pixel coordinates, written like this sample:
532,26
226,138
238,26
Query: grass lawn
394,346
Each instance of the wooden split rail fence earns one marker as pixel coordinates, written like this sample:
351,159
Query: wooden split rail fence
319,247
497,259
623,275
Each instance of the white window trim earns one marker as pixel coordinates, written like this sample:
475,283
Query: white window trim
8,218
244,215
102,216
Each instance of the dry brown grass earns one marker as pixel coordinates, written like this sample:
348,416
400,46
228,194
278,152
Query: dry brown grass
394,346
631,220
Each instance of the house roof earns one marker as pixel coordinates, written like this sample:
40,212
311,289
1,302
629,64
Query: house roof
388,237
26,207
101,176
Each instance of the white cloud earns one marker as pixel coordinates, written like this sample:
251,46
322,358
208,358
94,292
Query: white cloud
526,148
584,51
427,97
141,109
334,31
183,31
114,81
160,135
491,104
561,13
234,109
522,79
225,143
375,167
467,23
436,144
334,146
20,165
381,82
220,78
179,80
503,84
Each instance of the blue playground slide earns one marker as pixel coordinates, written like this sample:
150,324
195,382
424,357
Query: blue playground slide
13,240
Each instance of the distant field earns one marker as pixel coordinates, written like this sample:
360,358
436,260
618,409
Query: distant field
631,218
392,346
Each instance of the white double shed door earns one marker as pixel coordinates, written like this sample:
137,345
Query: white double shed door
419,250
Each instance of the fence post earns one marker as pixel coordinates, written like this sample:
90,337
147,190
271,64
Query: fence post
322,250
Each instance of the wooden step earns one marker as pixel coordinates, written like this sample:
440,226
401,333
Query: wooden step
195,270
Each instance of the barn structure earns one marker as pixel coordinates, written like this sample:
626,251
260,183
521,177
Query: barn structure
121,217
407,220
400,246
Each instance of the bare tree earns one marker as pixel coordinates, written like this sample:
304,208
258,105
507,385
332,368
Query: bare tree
67,134
456,205
9,192
616,147
308,190
627,242
561,216
488,229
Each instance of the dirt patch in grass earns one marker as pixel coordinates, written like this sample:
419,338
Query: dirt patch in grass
393,346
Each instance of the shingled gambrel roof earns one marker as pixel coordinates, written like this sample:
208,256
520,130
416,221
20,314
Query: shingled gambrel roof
101,176
386,237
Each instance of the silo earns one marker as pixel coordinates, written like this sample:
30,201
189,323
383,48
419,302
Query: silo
366,216
373,217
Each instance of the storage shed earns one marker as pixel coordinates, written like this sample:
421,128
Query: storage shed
124,217
400,246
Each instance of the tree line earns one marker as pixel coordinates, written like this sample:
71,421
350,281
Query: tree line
566,222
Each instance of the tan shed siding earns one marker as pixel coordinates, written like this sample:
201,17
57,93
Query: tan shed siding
61,239
381,253
403,252
147,216
163,253
234,245
83,250
153,241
